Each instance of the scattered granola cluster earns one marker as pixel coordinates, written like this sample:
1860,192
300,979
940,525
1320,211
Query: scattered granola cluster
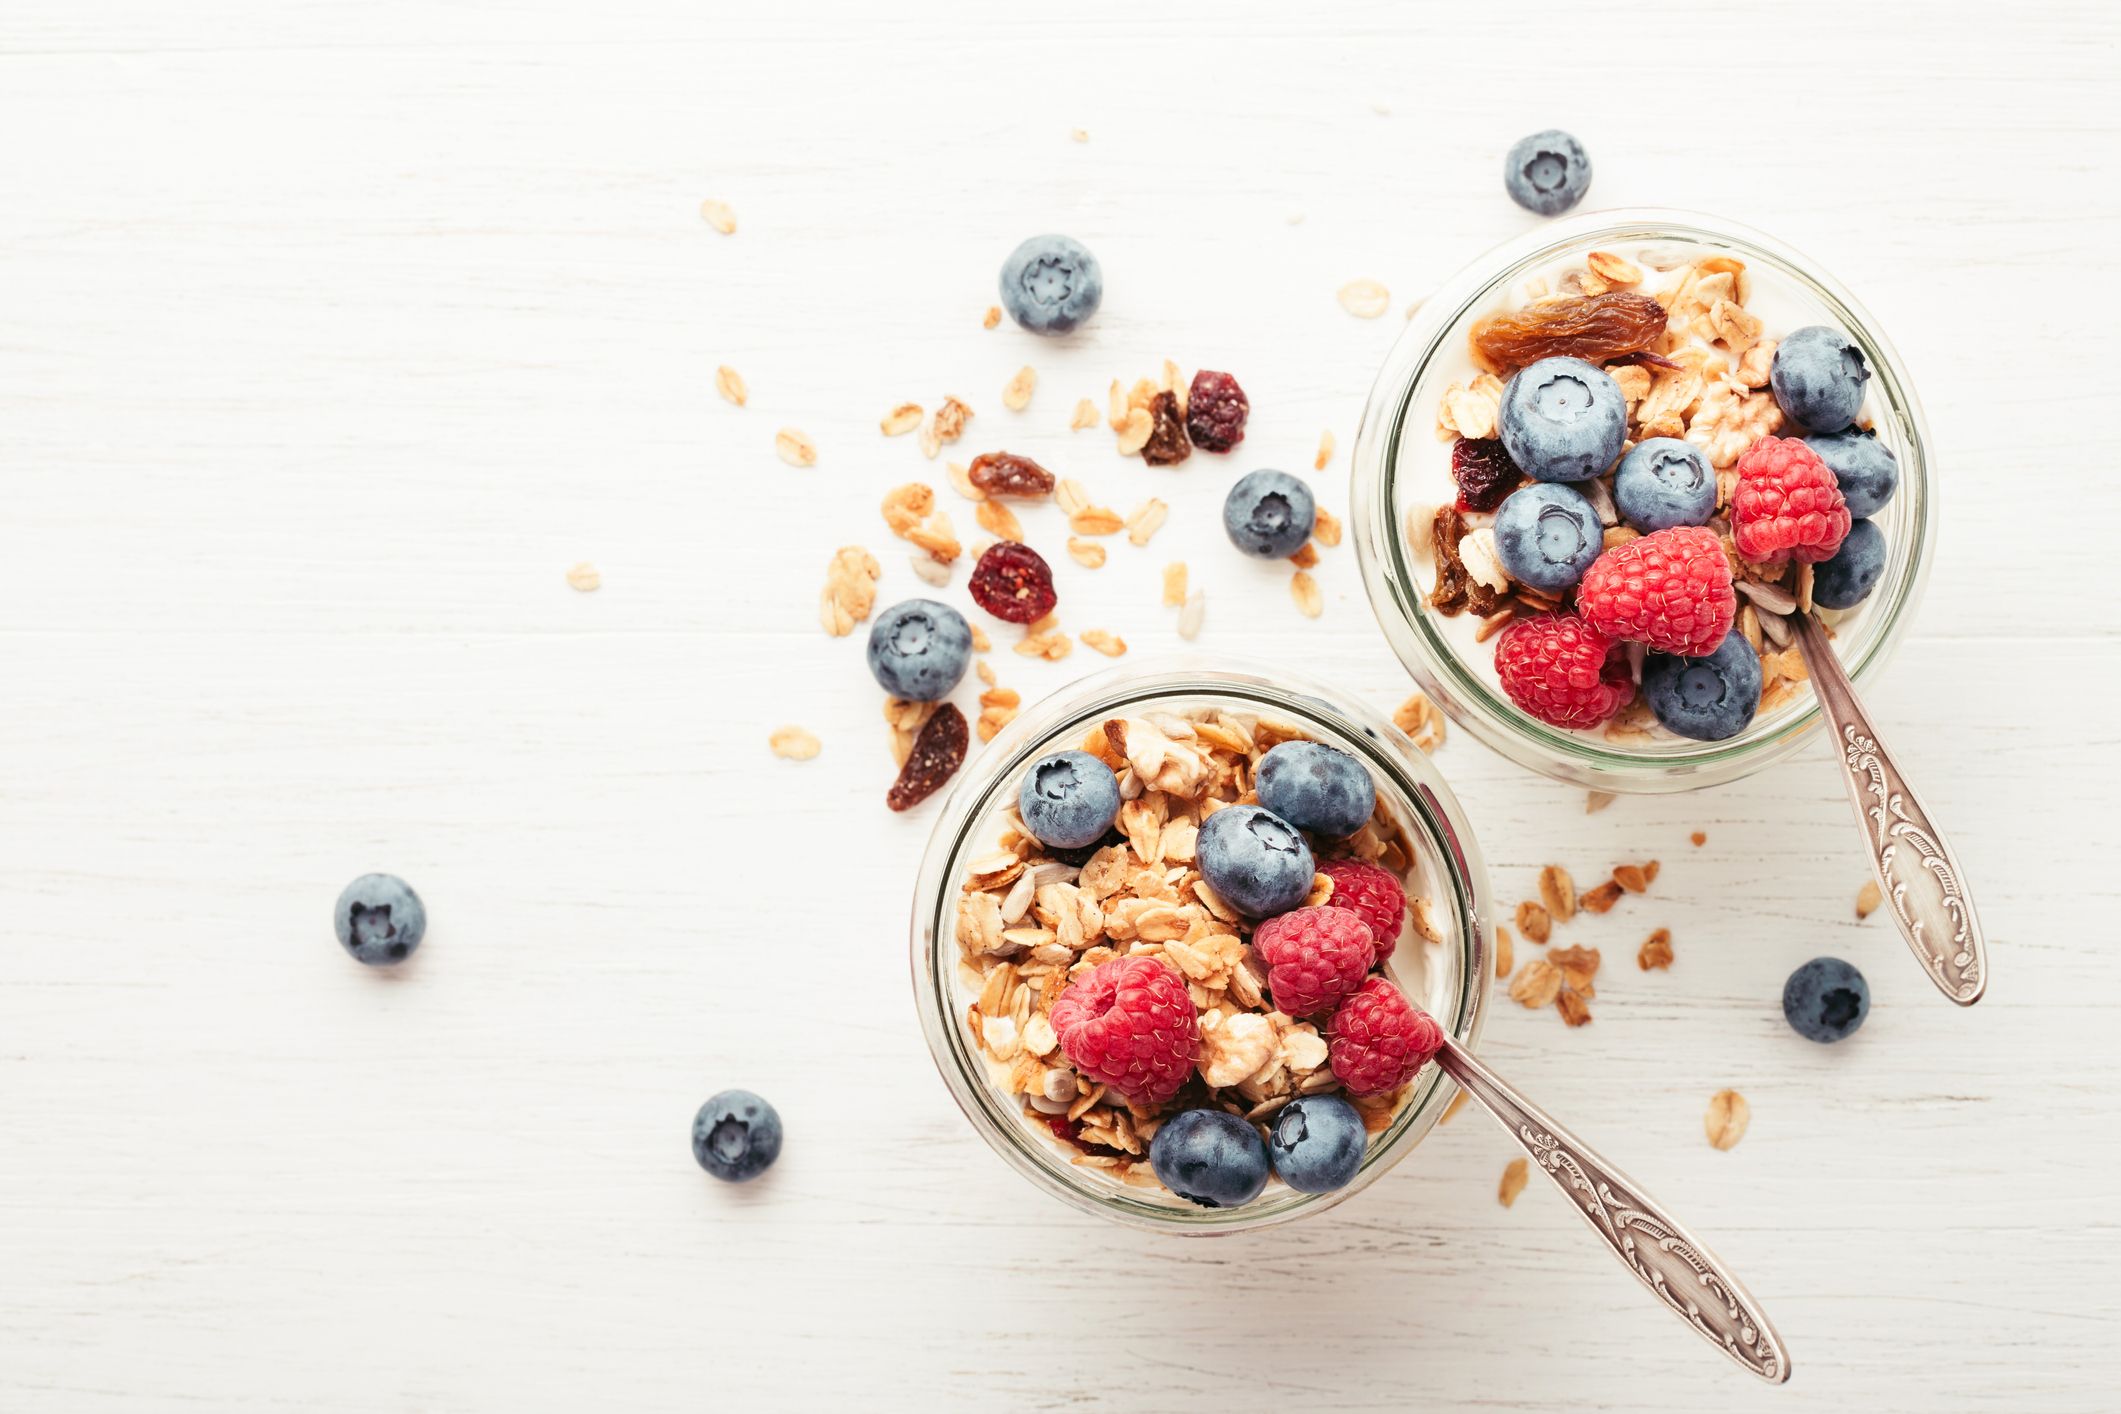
1562,978
1074,958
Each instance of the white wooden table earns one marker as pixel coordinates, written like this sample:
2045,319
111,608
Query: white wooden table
332,334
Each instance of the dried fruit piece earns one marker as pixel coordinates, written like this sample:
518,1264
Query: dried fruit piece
1455,588
1484,472
937,753
1594,327
1167,444
1007,474
1012,581
1216,409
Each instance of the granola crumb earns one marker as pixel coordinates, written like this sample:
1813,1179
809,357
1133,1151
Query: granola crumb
1505,952
993,317
1079,134
794,744
1365,299
1421,720
901,419
1656,950
1109,644
1326,529
720,215
1087,553
1534,921
1016,393
1305,557
1727,1118
1868,898
1174,584
980,642
730,384
850,590
1190,617
1699,837
1515,1174
1304,590
1558,892
1086,415
1635,878
1325,450
1599,899
1597,800
792,447
1536,984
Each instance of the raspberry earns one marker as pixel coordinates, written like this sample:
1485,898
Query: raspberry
1013,582
1130,1024
1670,589
1484,472
1372,894
1787,504
1378,1039
1216,409
1314,957
1563,671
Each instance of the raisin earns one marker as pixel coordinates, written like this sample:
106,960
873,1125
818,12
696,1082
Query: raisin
1647,360
1007,474
1216,409
937,753
1167,444
1013,581
1594,327
1456,590
1484,472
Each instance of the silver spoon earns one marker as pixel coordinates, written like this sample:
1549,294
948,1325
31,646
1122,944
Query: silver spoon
1912,863
1664,1256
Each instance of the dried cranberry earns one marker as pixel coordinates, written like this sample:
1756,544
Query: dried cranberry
1065,1129
1216,409
1484,472
1014,582
937,753
1167,444
1007,474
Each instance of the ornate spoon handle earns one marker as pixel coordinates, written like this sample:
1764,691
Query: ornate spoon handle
1913,864
1664,1256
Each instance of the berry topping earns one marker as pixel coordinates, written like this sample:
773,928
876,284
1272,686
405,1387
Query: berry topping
1014,582
1372,894
1050,284
1314,957
1378,1039
1787,504
1848,578
1826,1000
1269,514
1818,375
1216,409
1317,1143
1709,698
736,1136
1547,535
1547,173
1255,860
918,649
1670,589
1864,468
1129,1023
1316,787
1210,1157
1563,671
1484,472
1563,419
1664,482
1068,799
379,919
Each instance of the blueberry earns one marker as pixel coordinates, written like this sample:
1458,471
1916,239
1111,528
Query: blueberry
1818,377
1563,420
1210,1157
1662,483
1863,467
1051,284
1317,1143
1316,787
1255,859
918,649
1547,535
1708,698
1547,172
1068,799
1825,1000
380,920
736,1136
1848,578
1269,514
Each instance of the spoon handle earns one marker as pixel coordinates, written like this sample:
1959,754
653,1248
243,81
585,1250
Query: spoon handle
1913,864
1664,1256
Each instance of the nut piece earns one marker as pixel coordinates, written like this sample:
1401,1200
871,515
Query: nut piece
730,384
720,215
1514,1175
794,744
1868,898
1534,921
901,419
584,577
1558,892
792,447
1365,299
1727,1118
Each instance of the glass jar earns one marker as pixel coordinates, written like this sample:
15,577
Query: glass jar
1453,975
1401,473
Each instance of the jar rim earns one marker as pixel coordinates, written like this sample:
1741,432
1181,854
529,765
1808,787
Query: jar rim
1413,629
1435,823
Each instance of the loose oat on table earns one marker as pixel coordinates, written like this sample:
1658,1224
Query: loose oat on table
1325,450
1536,984
1868,898
998,520
945,427
1135,432
1599,898
1515,1173
1422,721
1174,584
1109,644
980,642
1635,878
730,384
1326,529
901,419
1505,952
1087,553
905,720
1016,393
1147,519
1656,950
794,448
1535,921
1192,615
1597,800
1579,965
992,317
1699,837
850,590
584,577
1558,892
1086,415
998,707
1305,557
1051,644
720,215
1304,590
1570,1003
1726,1120
794,744
1365,299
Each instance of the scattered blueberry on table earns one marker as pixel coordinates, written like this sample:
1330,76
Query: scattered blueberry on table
1051,284
1210,1157
380,920
736,1136
1269,514
918,650
1547,173
1826,1000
